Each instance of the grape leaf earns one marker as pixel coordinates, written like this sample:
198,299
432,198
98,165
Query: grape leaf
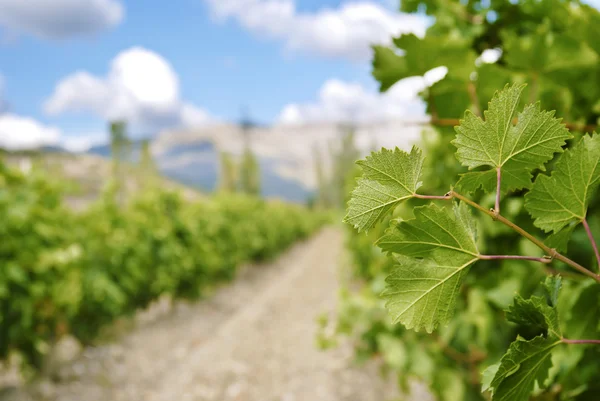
534,313
563,197
528,361
388,67
583,320
525,363
420,55
488,375
435,252
486,180
497,143
560,240
389,177
552,286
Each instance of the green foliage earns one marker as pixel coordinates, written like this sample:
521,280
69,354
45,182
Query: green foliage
528,361
435,252
435,249
66,272
514,149
564,197
551,45
525,363
389,177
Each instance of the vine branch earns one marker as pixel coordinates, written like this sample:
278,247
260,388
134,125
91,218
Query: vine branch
551,253
591,237
440,197
453,122
543,259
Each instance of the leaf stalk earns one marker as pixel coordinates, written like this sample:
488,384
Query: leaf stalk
567,341
498,180
592,240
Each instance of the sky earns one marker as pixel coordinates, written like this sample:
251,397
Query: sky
67,67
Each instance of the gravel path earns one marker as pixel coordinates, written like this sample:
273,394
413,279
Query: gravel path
254,340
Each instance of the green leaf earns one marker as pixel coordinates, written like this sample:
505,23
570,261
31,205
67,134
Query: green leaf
529,361
420,55
525,363
498,143
435,251
560,240
387,67
486,180
552,286
488,375
389,177
563,197
545,52
583,320
448,384
534,313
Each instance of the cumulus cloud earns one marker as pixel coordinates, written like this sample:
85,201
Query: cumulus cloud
141,88
18,133
346,32
350,102
59,19
83,142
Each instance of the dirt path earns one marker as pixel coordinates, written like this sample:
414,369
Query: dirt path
254,340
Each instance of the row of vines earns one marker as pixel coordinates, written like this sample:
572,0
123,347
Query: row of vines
65,272
551,45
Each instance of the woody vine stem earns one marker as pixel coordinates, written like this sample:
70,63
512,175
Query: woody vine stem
551,253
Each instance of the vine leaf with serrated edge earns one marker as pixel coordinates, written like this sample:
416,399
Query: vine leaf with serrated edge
527,361
516,149
434,252
563,197
389,177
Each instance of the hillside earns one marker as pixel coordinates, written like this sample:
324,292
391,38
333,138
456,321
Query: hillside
189,159
286,152
87,174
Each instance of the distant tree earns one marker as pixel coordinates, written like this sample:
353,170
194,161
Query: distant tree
147,164
227,174
120,147
332,185
119,142
322,196
344,157
249,169
249,173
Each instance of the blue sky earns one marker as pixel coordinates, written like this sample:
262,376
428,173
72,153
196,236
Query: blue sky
220,55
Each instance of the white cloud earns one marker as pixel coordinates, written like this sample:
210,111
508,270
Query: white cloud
83,142
192,116
351,102
18,132
59,19
346,32
141,88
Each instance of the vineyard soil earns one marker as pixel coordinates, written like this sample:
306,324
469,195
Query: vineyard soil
252,340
